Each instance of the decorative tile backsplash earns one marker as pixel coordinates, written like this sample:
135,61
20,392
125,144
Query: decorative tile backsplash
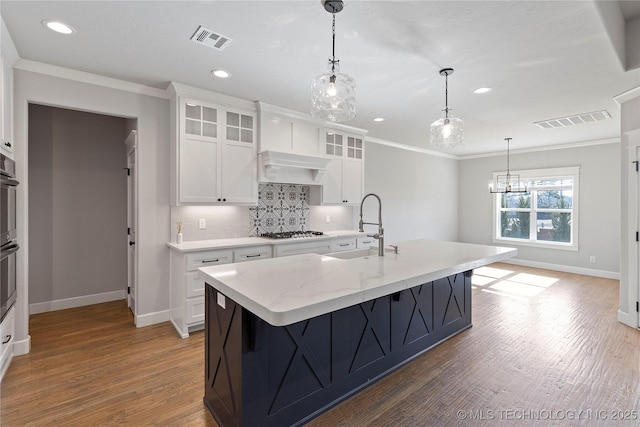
281,207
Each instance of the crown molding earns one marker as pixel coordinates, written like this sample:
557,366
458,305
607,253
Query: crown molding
628,95
545,148
181,89
82,76
410,148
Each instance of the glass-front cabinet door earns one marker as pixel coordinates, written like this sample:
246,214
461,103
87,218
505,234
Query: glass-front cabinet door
200,120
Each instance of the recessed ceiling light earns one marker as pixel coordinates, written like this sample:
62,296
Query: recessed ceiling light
379,119
221,73
482,90
58,27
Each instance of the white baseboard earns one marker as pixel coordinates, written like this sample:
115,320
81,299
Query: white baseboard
61,304
143,320
565,268
629,319
22,347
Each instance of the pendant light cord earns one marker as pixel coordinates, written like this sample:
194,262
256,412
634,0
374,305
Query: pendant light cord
333,47
446,95
508,140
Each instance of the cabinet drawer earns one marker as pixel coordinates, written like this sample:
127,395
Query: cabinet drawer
365,242
205,259
195,285
323,247
194,310
343,244
251,253
7,333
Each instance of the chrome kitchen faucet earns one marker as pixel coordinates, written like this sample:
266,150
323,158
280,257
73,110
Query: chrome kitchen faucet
380,234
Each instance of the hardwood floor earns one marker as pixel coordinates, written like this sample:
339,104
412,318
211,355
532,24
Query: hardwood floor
544,345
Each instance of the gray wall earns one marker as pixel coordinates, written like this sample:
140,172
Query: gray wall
599,203
418,193
77,197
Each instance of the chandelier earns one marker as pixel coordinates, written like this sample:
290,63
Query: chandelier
507,183
447,131
333,94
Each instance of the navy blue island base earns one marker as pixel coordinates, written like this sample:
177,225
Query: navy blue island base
257,374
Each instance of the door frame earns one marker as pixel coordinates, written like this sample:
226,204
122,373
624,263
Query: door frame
131,143
630,251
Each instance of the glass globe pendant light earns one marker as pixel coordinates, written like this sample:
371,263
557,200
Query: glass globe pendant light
447,131
333,94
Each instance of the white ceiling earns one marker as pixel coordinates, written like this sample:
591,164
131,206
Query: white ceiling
543,59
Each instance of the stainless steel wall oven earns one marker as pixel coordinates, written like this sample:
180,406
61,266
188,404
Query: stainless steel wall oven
8,237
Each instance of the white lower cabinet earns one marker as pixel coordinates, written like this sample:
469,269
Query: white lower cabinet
252,253
187,289
297,248
7,334
343,244
365,242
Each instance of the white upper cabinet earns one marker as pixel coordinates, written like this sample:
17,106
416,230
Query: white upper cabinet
214,154
343,182
6,109
8,56
289,132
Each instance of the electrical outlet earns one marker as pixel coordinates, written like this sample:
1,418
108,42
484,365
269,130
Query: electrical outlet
327,219
202,223
592,259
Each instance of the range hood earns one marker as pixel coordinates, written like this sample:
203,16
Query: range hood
280,166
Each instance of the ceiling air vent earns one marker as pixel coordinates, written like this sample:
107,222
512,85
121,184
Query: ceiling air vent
576,119
210,38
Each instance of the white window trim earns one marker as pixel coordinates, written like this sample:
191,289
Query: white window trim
572,171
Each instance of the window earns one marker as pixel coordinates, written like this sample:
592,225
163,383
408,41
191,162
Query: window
546,216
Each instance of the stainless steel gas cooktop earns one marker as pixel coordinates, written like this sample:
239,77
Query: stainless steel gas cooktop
291,234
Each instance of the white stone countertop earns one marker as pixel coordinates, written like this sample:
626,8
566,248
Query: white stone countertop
286,290
203,245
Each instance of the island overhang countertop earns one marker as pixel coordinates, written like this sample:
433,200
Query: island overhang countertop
286,290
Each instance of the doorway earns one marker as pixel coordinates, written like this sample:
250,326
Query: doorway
77,208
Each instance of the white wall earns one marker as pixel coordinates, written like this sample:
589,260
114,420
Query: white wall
418,193
78,208
153,125
225,222
599,215
340,217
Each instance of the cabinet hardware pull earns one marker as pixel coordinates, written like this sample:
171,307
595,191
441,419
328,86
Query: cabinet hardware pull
8,144
344,244
132,243
7,340
204,261
252,256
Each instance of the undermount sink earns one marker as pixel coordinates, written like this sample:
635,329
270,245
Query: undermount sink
358,253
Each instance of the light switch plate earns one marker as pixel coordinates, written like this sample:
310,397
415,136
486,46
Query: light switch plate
202,223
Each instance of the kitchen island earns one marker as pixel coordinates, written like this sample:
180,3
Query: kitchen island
287,338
